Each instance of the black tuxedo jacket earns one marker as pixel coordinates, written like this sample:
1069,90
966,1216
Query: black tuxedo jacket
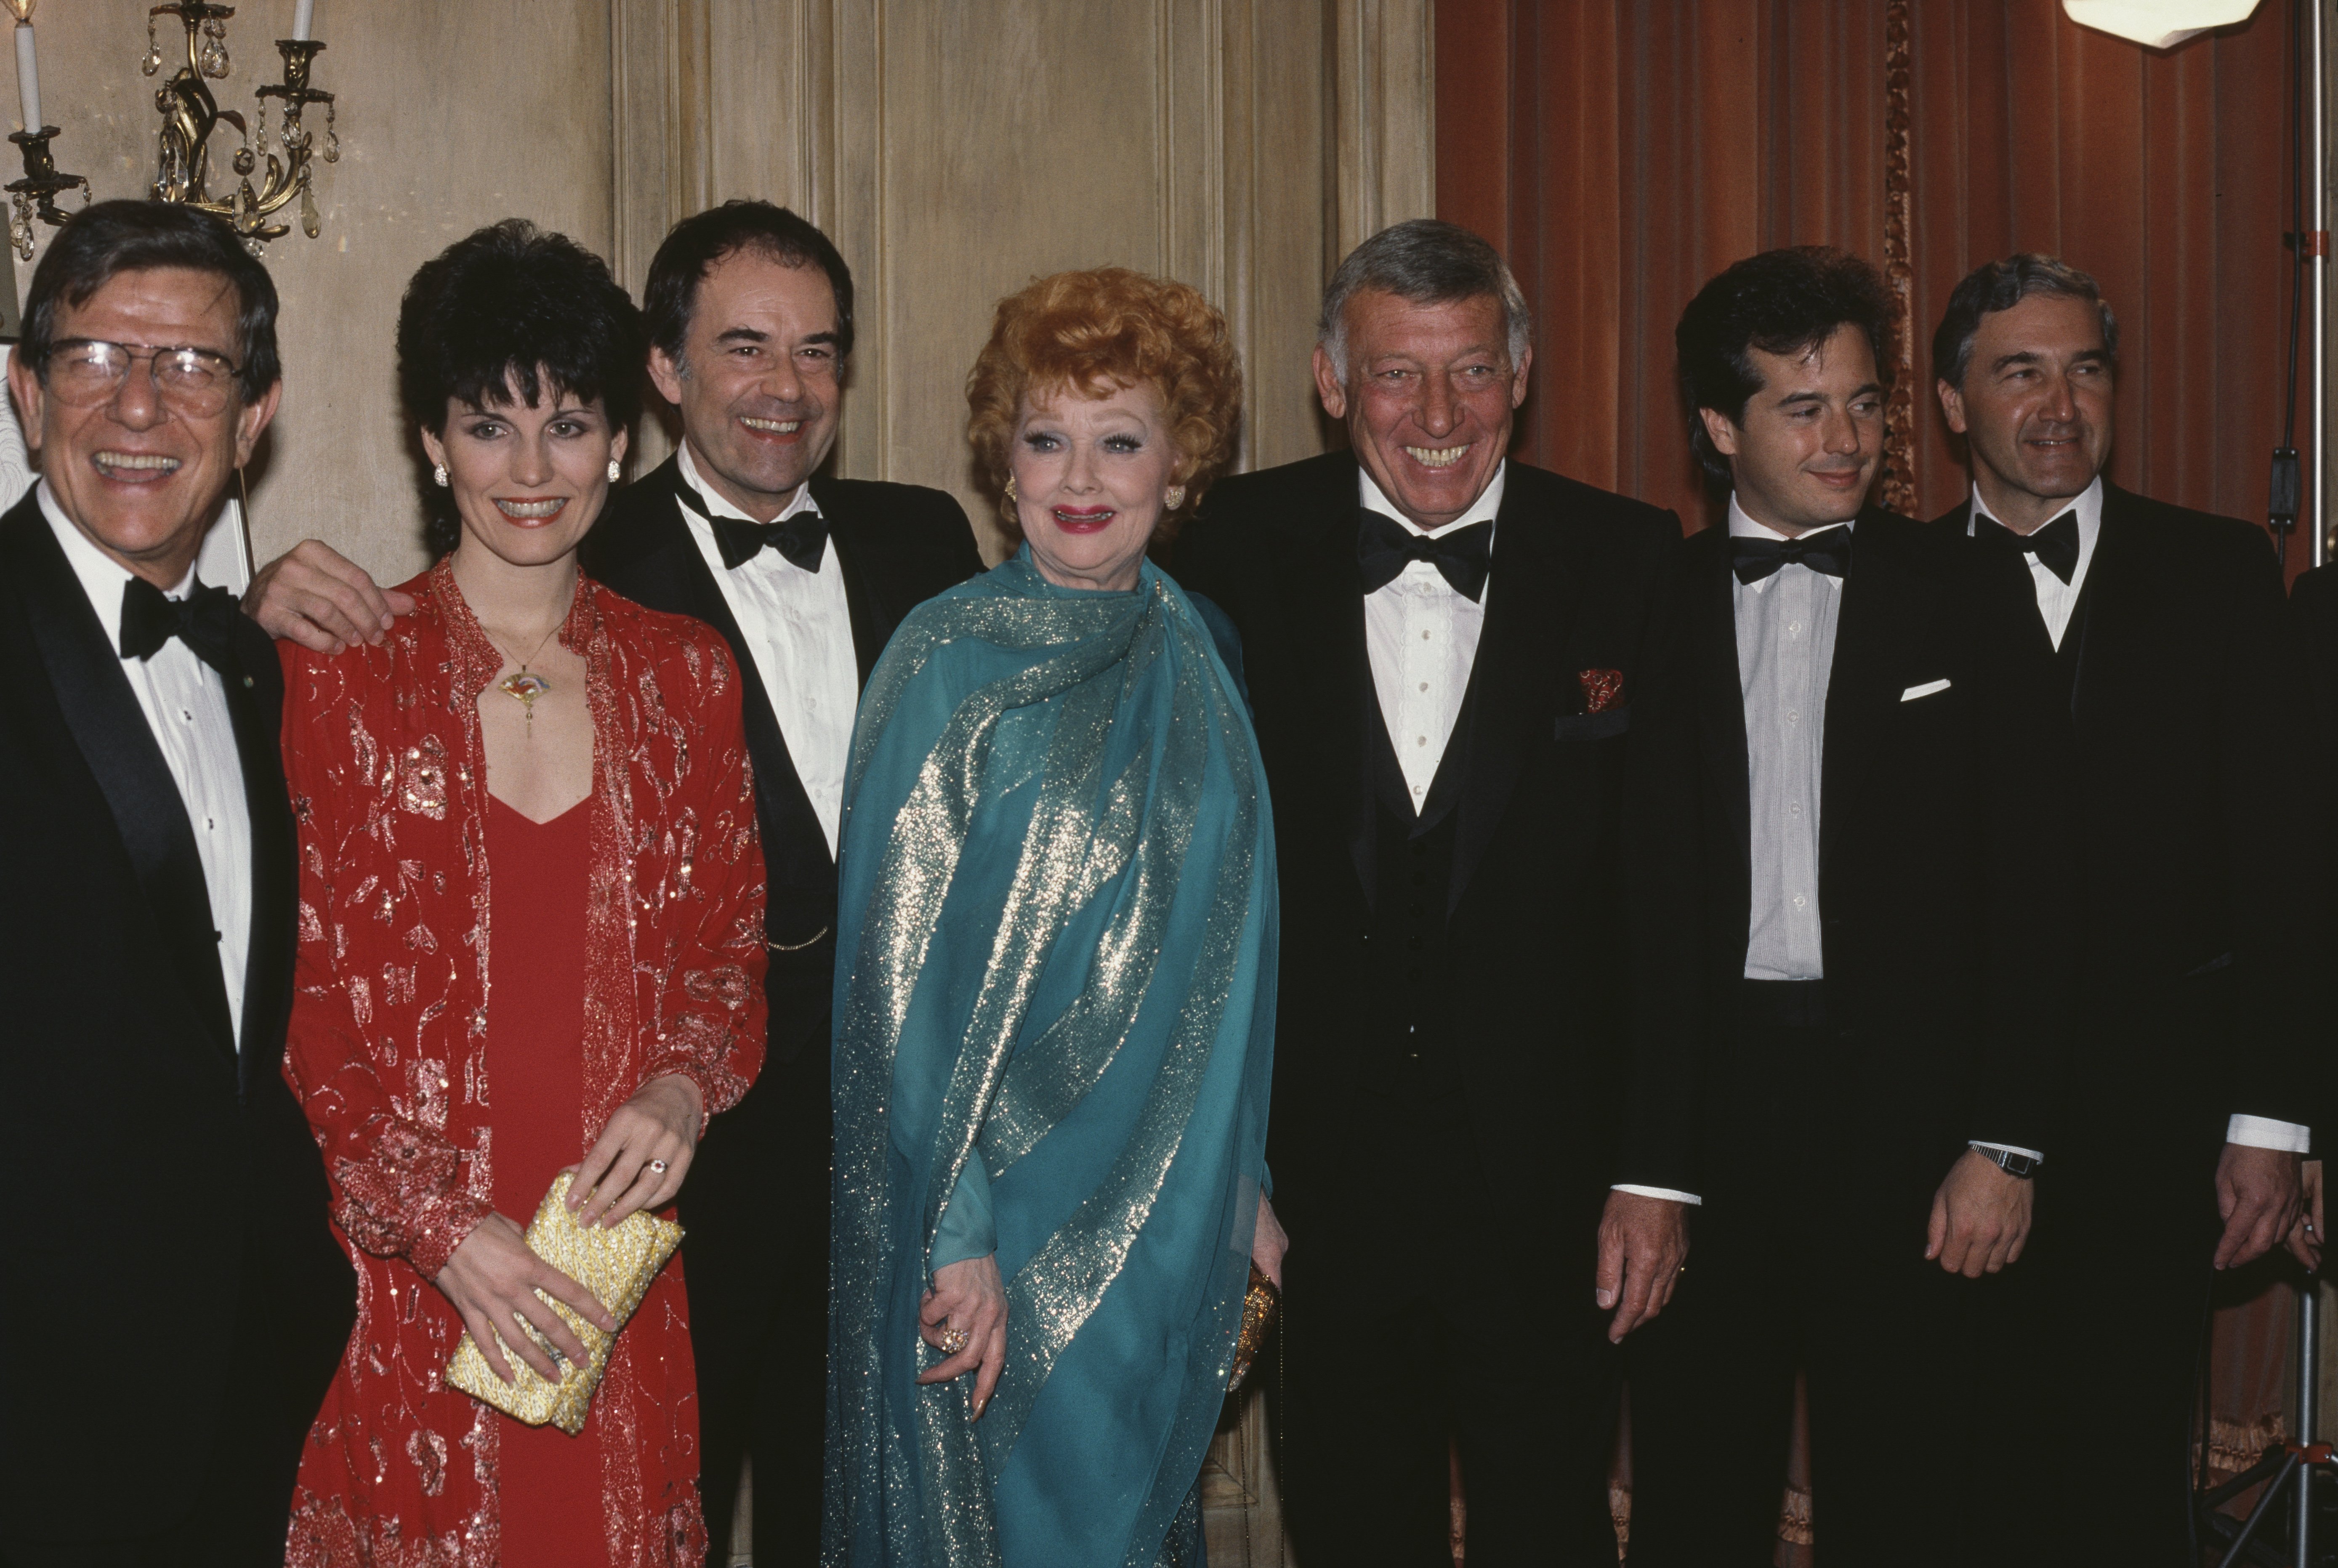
166,1163
1943,887
1534,916
2313,623
900,545
2199,975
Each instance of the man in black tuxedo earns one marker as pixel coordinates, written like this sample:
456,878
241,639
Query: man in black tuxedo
1442,645
173,1303
1845,922
749,315
2313,626
2189,1102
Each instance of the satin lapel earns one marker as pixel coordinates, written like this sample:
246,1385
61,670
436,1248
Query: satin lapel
1721,684
1862,689
1532,587
1335,666
255,701
2095,619
110,730
673,575
873,616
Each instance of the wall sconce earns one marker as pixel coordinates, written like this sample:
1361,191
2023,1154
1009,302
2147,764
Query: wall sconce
35,195
189,115
182,160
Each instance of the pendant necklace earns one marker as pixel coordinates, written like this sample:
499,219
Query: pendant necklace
525,683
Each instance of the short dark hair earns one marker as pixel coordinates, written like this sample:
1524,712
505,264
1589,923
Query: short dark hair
1995,285
1785,302
698,242
107,239
1427,261
514,306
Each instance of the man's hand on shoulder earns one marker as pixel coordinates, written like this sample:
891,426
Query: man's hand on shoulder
1980,1218
1643,1247
2258,1194
315,597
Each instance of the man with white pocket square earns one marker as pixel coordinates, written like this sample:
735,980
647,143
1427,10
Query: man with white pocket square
2191,1070
1847,932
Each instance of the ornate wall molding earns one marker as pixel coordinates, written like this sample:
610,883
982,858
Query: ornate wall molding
1900,490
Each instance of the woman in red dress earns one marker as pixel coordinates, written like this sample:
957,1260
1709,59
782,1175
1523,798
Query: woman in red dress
531,908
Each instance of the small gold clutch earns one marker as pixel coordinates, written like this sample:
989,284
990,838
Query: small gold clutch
616,1265
1260,1303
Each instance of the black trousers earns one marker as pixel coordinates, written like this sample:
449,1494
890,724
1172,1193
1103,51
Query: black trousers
281,1365
1374,1389
1777,1281
755,1261
2100,1350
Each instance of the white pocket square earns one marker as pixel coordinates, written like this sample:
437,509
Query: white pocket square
1926,690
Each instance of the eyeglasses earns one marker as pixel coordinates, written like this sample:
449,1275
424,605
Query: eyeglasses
84,372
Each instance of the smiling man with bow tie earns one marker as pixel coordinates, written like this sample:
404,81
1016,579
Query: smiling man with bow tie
173,1303
1850,934
2190,1091
1441,644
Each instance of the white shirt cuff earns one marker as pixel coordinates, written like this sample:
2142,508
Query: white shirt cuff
1664,1192
2008,1149
2265,1133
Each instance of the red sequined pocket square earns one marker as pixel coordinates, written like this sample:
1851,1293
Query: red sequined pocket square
1602,689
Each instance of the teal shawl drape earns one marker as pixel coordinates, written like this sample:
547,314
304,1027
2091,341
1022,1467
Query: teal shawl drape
1057,955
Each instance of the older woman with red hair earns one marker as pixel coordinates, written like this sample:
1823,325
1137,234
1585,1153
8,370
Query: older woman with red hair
1055,1004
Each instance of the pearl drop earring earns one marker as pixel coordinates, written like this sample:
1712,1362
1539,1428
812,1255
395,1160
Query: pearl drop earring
613,470
439,474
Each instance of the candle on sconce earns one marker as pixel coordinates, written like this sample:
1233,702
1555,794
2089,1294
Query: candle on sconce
28,68
304,20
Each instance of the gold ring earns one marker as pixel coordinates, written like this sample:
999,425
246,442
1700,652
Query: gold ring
953,1341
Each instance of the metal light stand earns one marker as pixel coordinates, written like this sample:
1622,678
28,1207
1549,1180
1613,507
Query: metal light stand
2317,492
2288,1467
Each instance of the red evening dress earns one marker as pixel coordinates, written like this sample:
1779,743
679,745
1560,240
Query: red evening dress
476,995
551,1482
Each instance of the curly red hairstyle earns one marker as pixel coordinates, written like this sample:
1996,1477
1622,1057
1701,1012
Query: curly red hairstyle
1097,330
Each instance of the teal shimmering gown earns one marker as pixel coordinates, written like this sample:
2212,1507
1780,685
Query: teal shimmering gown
1056,959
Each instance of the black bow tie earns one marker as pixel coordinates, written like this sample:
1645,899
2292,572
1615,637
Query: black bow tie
1827,551
2055,545
204,619
801,538
1384,547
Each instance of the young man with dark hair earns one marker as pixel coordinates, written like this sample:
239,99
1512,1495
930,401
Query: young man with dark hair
750,313
1846,936
173,1303
2193,1073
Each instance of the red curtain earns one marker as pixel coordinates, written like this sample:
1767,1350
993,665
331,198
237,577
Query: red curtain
1621,152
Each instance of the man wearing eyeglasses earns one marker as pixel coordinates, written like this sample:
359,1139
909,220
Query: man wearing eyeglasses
171,1302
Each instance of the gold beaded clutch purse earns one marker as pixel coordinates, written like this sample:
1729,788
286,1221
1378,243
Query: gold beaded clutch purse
617,1265
1260,1303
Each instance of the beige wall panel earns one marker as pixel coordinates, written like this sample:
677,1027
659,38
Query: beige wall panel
1384,66
450,116
1019,141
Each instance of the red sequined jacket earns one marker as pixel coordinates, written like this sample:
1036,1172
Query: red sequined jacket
387,1049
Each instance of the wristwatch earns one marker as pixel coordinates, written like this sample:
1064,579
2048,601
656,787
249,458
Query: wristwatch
2024,1166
